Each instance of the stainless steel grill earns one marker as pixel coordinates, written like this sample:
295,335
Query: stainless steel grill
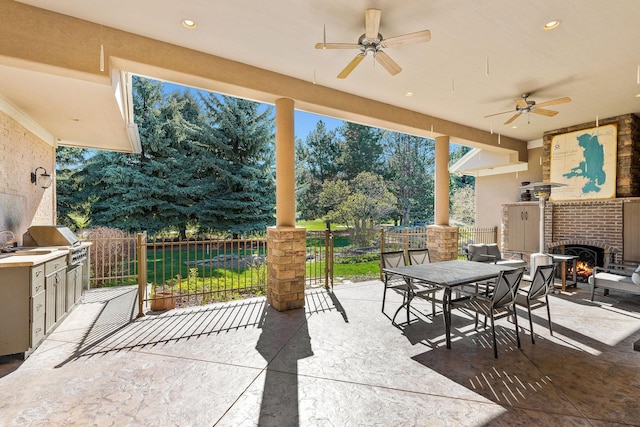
58,236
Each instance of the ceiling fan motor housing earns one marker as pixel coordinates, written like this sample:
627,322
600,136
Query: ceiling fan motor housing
528,108
368,46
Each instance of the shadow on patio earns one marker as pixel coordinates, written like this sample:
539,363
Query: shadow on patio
338,361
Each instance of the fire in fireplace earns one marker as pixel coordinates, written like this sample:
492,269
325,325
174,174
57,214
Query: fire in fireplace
588,258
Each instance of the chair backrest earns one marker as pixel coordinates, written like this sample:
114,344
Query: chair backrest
506,288
418,256
393,259
494,251
542,282
476,251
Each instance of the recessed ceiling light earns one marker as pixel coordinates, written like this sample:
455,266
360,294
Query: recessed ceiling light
408,93
552,24
188,23
638,95
514,127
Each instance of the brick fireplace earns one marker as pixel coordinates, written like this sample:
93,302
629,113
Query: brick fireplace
592,223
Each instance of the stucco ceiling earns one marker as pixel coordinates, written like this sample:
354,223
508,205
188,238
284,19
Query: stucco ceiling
483,54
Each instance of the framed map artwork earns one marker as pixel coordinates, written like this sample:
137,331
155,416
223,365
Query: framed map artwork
585,161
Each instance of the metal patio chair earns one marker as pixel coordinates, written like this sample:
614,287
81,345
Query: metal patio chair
426,290
531,297
394,281
501,301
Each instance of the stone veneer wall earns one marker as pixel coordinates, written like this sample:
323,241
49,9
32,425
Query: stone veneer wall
23,204
442,242
286,264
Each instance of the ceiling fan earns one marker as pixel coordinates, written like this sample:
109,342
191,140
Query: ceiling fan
524,105
372,42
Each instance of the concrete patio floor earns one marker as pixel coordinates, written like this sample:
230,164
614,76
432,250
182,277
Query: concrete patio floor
338,361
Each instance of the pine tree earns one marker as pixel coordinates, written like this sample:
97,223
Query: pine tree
151,190
240,140
361,151
411,174
316,162
68,182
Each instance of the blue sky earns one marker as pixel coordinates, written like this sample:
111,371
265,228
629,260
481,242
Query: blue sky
304,122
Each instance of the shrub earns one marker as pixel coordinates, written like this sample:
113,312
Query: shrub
111,254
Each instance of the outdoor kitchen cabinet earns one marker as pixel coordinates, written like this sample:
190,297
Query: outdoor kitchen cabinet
22,308
524,228
55,287
75,283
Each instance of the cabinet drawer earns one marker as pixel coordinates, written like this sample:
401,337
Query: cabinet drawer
54,265
38,305
37,279
37,331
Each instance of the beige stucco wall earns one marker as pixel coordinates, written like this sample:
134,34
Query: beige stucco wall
493,190
23,204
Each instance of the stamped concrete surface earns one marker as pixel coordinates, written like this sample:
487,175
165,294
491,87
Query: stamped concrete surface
338,361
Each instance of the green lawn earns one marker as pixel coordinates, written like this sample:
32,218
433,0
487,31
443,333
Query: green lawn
319,225
173,265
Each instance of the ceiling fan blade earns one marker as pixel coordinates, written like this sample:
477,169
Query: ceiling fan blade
521,102
372,23
497,114
554,102
349,68
389,64
548,113
515,116
337,46
417,37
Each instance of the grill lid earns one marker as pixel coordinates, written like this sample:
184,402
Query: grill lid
53,235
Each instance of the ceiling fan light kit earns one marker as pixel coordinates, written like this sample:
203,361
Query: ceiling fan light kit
372,42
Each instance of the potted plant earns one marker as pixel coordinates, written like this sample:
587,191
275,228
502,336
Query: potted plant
162,299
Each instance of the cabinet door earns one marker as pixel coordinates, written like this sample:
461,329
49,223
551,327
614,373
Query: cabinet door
50,303
516,228
531,228
631,231
14,310
71,289
61,294
524,226
79,282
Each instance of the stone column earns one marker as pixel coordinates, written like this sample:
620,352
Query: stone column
286,255
442,241
286,243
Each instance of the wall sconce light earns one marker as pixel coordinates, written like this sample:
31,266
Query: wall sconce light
43,180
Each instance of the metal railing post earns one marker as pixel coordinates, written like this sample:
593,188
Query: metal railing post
383,238
142,275
328,255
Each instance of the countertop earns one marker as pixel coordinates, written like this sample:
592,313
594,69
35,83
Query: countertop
28,257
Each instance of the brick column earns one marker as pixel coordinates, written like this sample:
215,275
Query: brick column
442,241
286,264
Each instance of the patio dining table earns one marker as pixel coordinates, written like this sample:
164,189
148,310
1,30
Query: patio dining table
446,275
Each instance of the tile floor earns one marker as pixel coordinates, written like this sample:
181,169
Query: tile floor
339,361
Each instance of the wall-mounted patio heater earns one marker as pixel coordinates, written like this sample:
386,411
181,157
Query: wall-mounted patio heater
542,190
